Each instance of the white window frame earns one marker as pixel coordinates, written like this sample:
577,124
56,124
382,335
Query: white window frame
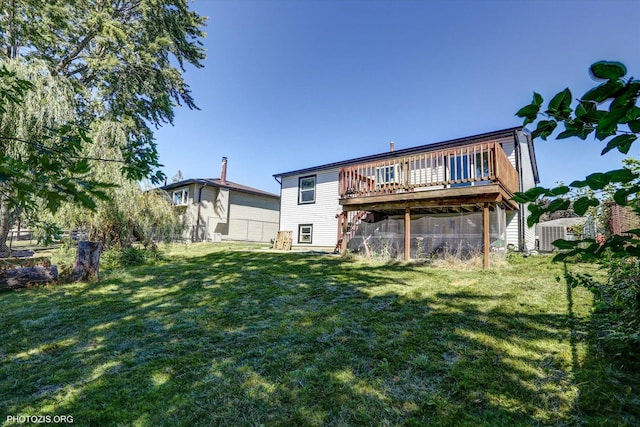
180,197
307,190
309,233
387,175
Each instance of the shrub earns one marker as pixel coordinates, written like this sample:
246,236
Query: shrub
129,257
617,305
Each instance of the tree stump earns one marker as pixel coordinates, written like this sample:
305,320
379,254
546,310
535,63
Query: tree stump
21,277
87,261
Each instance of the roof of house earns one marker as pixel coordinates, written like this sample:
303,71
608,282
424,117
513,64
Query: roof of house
215,182
433,146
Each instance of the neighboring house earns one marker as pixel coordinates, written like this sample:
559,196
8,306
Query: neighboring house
441,196
216,209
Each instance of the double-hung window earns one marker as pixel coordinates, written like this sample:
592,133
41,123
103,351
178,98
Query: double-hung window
305,233
307,189
180,197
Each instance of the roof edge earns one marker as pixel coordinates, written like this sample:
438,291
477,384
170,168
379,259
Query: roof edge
435,146
212,183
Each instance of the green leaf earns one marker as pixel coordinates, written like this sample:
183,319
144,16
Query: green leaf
608,70
635,231
558,205
597,181
621,142
529,112
537,99
623,175
559,106
558,191
568,134
634,125
581,205
534,218
531,195
544,129
584,107
565,244
620,196
604,91
632,250
593,116
607,126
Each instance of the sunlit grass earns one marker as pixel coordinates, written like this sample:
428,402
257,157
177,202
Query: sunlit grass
238,335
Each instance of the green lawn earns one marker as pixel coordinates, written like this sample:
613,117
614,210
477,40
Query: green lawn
228,336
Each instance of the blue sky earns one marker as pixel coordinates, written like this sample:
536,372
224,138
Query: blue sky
293,84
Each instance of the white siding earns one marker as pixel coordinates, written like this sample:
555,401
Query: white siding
528,181
512,228
321,214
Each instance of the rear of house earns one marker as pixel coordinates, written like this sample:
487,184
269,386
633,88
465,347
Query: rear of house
416,201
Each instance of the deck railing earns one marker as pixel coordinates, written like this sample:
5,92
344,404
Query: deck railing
477,164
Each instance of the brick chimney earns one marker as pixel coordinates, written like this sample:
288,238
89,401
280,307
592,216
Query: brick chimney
223,171
392,146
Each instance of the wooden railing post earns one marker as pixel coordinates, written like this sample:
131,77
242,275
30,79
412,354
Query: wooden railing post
485,234
407,234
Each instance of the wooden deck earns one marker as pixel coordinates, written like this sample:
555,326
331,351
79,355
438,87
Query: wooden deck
436,201
456,177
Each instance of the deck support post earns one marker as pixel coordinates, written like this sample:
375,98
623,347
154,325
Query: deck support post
345,225
485,233
407,234
339,244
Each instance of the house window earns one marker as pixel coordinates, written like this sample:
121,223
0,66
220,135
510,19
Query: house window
307,190
467,168
387,175
180,197
305,233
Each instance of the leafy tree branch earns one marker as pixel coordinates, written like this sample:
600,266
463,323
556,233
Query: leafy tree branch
610,113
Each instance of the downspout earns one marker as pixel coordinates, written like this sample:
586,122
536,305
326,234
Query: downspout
280,207
521,221
198,215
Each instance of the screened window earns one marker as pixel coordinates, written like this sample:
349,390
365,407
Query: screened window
307,189
180,197
305,233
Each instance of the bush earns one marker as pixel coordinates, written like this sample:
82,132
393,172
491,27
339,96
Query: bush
617,305
129,257
624,283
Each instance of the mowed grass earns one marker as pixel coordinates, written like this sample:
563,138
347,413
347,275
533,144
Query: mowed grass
226,336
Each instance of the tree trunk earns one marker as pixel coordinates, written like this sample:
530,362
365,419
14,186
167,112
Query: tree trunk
5,225
87,261
21,277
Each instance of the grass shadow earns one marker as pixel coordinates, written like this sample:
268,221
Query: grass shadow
248,338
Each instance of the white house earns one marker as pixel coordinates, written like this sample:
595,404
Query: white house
417,200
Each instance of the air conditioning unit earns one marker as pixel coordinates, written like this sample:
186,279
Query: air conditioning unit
216,237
